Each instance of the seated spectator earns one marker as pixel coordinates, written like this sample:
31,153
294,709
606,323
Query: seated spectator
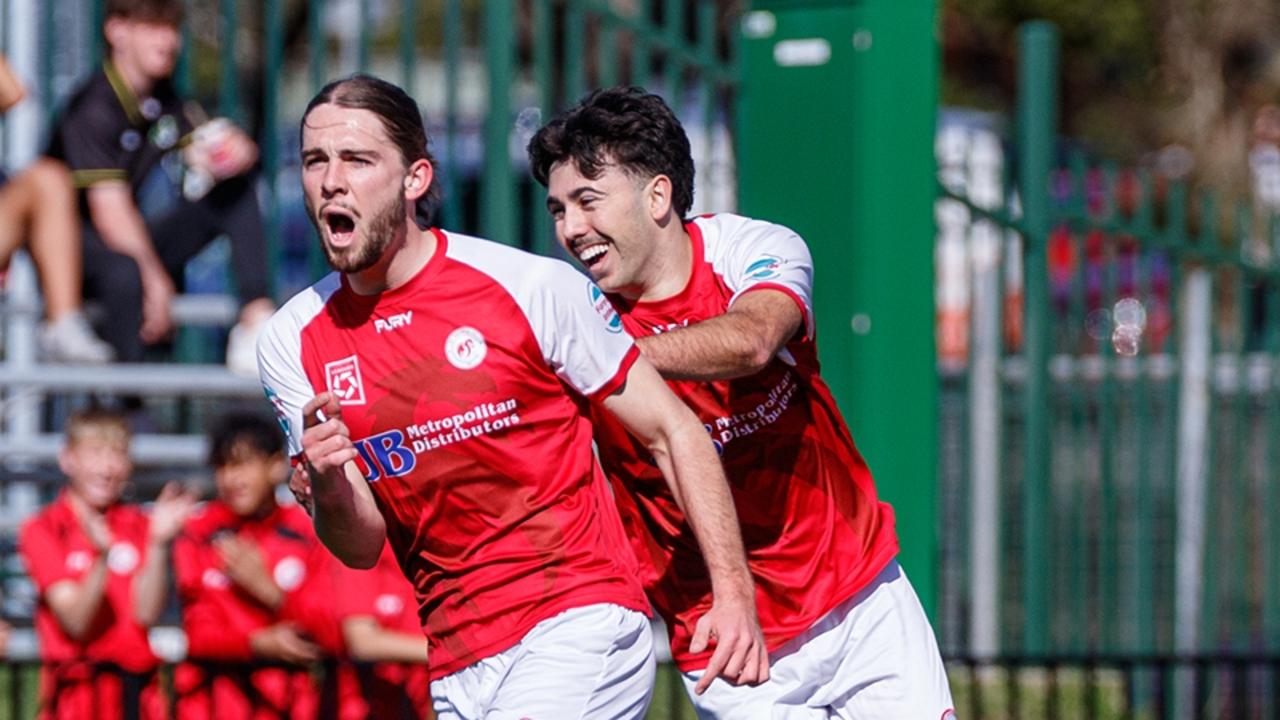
122,124
38,209
254,583
379,619
101,569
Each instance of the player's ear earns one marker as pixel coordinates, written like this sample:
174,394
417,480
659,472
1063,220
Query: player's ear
418,179
658,196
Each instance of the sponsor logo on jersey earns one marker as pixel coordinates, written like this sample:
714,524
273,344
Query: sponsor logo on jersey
711,430
764,268
123,558
289,573
465,347
343,378
612,322
395,322
385,455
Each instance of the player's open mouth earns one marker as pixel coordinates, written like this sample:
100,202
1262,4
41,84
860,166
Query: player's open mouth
339,222
591,254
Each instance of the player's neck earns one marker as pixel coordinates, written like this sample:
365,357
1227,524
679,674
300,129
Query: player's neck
81,505
134,78
667,272
404,257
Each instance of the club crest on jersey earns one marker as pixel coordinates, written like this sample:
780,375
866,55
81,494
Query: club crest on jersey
465,347
613,323
764,268
343,378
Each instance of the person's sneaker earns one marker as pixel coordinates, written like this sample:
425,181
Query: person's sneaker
242,342
70,339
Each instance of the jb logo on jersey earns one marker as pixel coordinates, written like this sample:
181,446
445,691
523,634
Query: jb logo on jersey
343,378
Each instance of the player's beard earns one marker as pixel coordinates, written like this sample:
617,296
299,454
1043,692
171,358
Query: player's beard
381,229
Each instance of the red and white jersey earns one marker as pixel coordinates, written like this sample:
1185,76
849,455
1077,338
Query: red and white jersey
55,548
814,531
465,391
219,617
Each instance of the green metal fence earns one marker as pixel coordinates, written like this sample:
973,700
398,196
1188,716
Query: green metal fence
486,72
1127,370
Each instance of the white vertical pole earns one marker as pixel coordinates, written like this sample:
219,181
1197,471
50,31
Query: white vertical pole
1193,427
984,399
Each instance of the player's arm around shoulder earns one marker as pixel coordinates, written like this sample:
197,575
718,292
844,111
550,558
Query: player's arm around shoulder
739,343
769,270
681,448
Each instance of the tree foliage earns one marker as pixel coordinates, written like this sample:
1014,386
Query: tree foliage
1137,74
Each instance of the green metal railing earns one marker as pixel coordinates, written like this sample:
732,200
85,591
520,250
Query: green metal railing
487,73
1138,410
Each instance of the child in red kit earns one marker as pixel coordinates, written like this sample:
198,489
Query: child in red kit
255,586
101,569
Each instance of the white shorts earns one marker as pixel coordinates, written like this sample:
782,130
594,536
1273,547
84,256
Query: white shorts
589,662
872,656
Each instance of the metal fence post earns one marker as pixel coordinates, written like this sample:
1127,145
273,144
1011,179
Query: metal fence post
498,191
1037,131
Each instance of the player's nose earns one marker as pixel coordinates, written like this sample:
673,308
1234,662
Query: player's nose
334,179
574,225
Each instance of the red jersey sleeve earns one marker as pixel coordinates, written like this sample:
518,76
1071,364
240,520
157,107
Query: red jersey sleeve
44,554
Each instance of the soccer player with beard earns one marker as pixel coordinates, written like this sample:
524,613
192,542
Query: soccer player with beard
722,306
434,390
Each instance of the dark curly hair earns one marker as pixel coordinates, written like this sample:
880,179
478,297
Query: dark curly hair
626,126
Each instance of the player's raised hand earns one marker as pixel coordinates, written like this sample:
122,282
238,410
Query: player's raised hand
170,512
326,441
740,655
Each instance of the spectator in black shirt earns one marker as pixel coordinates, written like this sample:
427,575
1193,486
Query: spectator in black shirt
116,129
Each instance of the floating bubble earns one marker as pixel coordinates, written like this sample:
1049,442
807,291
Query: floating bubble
1130,312
1098,324
529,120
1127,340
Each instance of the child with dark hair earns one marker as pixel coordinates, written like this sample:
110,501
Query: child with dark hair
252,579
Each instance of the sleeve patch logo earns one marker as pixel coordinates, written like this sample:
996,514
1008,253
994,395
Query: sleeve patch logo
343,378
612,322
764,268
282,413
465,347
